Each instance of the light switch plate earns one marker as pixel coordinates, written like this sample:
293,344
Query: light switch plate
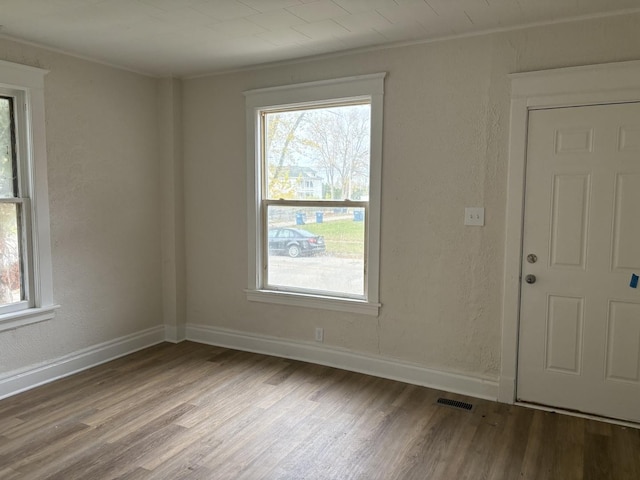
474,216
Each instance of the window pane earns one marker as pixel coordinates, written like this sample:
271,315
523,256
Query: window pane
318,153
7,165
10,264
316,248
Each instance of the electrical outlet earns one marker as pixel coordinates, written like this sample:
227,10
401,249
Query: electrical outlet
319,334
474,216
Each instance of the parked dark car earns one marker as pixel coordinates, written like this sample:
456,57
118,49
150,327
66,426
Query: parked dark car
294,242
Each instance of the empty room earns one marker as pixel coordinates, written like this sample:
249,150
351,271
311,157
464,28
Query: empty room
319,239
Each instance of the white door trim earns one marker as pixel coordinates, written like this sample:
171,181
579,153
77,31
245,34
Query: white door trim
564,87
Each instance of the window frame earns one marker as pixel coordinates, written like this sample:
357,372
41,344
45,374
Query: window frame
25,85
312,94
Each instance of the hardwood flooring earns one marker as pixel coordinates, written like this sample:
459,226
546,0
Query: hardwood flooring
192,411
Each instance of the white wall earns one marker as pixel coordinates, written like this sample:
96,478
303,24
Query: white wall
445,147
114,152
173,252
104,187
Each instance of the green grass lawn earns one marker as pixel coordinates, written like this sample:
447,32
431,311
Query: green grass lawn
342,237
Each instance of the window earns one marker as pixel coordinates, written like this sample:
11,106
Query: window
12,261
25,258
314,163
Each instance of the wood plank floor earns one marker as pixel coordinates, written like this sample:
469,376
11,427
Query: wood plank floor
191,411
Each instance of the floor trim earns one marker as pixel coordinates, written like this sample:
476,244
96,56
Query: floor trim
174,334
485,388
21,380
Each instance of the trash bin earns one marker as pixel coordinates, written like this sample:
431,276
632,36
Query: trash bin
299,218
319,217
358,215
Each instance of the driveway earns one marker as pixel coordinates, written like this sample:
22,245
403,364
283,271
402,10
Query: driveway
332,274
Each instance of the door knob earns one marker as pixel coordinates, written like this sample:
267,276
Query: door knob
530,279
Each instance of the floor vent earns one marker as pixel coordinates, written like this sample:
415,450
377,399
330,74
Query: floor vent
455,404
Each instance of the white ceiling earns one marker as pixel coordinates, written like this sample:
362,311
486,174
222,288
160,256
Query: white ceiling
192,37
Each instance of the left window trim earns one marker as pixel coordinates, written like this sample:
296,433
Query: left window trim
27,83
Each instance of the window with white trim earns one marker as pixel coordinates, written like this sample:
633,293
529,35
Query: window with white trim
25,252
314,164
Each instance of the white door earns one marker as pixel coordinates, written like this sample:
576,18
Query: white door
579,339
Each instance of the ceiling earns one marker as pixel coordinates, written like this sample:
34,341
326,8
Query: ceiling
192,37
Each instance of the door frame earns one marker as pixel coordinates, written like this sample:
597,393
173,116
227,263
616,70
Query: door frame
564,87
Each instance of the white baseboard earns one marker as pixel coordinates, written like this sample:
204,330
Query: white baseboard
486,388
507,392
174,334
15,382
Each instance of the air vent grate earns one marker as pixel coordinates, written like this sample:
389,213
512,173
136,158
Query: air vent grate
455,404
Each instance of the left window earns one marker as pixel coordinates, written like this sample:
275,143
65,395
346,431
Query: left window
25,253
13,261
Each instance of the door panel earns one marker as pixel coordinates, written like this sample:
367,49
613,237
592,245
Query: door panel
565,319
574,140
626,246
570,211
629,139
579,339
623,345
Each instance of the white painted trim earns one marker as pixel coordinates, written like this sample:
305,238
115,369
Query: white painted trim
26,85
583,81
486,388
174,334
11,321
18,76
171,333
371,83
564,87
12,383
370,87
314,301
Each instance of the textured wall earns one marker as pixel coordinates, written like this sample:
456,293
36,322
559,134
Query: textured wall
104,188
445,147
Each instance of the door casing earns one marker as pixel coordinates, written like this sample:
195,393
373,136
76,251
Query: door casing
565,87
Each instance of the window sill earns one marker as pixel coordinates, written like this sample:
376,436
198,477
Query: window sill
13,320
314,301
